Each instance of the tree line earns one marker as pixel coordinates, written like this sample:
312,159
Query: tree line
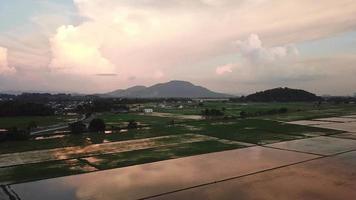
16,108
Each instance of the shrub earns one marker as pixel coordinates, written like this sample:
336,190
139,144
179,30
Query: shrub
132,124
18,134
212,112
97,125
32,125
283,110
243,114
77,127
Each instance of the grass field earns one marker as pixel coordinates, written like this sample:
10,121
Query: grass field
255,131
296,111
31,172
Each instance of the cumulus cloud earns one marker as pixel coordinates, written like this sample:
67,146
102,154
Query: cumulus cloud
138,37
262,64
4,67
221,70
74,53
142,37
253,50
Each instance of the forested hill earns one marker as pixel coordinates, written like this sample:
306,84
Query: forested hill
171,89
282,95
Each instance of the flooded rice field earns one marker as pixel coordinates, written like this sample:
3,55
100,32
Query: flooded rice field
325,178
146,180
343,123
318,145
313,163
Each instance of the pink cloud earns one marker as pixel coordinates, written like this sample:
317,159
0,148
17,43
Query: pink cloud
4,67
221,70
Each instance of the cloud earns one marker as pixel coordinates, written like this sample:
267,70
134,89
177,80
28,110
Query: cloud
134,38
158,74
4,67
253,50
73,53
221,70
106,74
260,64
181,38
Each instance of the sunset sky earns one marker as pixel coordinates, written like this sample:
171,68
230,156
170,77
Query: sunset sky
233,46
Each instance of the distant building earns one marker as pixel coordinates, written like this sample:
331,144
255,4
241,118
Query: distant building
148,110
162,105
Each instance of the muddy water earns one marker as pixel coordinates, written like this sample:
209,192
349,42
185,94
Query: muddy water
150,179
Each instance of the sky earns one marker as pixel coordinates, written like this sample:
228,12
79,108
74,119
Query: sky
232,46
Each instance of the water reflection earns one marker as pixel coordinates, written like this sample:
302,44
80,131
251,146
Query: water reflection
154,178
327,178
49,137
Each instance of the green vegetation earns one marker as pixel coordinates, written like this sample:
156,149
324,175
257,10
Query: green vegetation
294,110
157,154
122,119
256,131
31,172
19,108
77,127
24,173
23,122
97,125
282,95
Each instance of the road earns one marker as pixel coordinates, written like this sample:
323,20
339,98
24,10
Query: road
57,127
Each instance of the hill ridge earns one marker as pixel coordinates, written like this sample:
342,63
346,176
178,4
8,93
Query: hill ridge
170,89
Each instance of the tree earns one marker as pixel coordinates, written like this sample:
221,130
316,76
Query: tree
32,125
97,125
3,135
87,115
243,114
172,122
16,108
132,124
210,113
77,127
283,110
205,112
15,133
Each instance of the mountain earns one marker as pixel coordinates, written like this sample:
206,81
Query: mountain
126,93
171,89
282,95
